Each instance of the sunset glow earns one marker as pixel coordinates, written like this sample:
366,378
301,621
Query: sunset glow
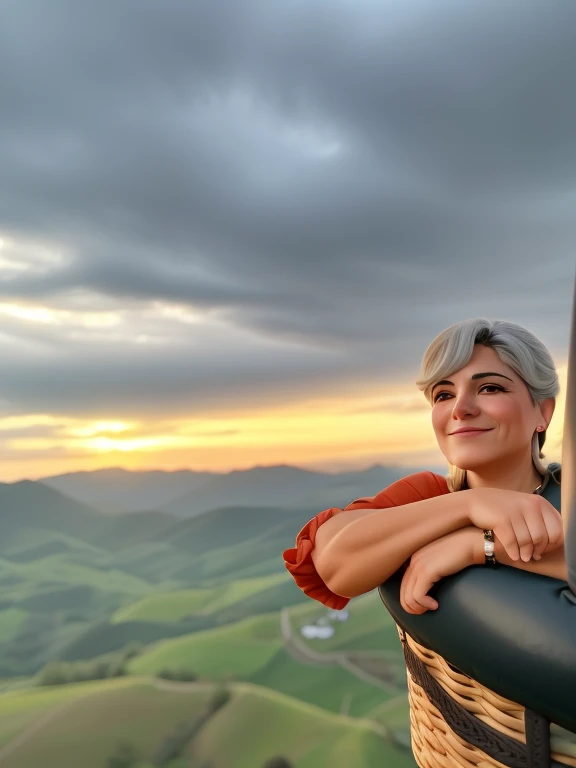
332,434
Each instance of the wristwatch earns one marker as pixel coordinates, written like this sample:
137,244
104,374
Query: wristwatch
489,548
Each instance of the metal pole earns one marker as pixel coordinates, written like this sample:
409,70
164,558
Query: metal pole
569,457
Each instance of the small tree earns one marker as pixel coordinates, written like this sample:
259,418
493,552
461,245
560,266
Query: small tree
125,756
174,745
219,699
277,762
131,650
55,673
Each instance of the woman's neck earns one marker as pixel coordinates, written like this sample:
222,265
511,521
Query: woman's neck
510,478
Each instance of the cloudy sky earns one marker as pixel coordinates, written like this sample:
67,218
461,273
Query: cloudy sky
230,228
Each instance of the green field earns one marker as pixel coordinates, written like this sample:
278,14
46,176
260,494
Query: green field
236,651
82,725
201,595
260,723
325,686
369,627
20,708
176,605
253,650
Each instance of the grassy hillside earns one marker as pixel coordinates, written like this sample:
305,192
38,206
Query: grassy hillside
329,687
369,627
172,606
254,650
20,708
259,724
229,526
231,651
26,505
80,725
69,726
204,594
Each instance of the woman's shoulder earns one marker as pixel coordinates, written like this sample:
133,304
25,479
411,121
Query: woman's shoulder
414,487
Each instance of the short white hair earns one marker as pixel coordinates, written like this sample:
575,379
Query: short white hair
517,347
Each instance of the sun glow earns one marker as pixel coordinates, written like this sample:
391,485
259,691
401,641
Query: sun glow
353,431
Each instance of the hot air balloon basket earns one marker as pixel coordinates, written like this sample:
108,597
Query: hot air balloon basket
455,722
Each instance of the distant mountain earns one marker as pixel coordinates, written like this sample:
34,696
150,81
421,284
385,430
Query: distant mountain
285,486
31,505
120,490
186,493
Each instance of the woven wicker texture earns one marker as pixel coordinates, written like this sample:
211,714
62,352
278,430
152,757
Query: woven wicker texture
436,745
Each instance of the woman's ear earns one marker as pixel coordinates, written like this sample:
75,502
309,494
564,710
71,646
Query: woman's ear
547,410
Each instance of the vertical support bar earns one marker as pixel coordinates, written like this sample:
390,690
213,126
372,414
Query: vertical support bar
569,457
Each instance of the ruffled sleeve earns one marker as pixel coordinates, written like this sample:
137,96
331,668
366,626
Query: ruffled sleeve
298,559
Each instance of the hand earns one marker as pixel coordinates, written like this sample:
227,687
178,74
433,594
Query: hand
443,557
526,525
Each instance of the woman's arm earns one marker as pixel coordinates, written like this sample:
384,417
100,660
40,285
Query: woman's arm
456,551
551,563
357,550
355,554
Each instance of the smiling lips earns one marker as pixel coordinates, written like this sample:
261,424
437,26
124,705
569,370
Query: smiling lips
469,431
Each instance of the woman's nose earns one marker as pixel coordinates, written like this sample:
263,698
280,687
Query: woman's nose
464,406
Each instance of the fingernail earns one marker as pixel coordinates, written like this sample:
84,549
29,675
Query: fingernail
526,558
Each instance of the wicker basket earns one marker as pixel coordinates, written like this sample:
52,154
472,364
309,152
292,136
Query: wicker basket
455,722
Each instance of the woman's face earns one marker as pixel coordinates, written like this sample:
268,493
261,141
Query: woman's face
499,404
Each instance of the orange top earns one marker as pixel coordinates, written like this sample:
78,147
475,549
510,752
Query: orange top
298,559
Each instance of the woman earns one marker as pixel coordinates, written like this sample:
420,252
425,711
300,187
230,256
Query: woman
492,387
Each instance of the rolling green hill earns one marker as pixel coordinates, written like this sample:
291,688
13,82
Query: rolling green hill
203,594
369,627
82,724
29,505
260,723
235,651
176,605
254,650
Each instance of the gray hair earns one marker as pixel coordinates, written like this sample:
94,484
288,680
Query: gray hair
452,349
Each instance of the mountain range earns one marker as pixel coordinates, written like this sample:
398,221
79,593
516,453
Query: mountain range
186,493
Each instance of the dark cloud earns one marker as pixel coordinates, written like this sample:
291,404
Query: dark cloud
332,184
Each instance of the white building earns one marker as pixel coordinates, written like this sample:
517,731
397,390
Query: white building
312,631
338,615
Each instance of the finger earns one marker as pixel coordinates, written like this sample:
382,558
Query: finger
538,532
406,597
504,532
415,596
420,595
523,537
405,579
555,529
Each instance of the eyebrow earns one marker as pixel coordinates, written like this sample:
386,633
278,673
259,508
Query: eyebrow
473,377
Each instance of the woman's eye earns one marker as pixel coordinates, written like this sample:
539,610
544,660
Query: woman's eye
438,397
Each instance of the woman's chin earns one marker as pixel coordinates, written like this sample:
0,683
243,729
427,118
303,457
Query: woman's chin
469,461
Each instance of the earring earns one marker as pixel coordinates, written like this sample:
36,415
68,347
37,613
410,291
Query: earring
539,429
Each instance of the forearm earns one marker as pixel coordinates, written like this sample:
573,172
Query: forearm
365,552
551,564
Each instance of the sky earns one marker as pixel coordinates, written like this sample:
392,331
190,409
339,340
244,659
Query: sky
229,230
